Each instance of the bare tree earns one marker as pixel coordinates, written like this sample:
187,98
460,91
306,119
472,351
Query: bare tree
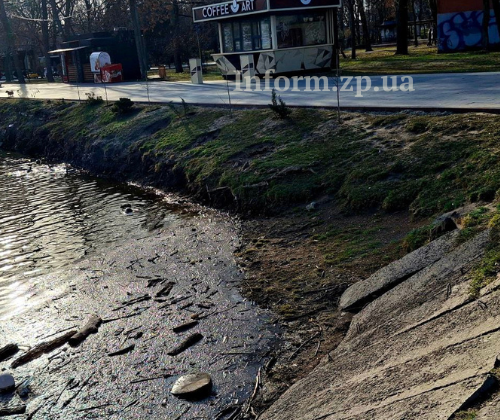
364,23
10,41
45,41
486,25
402,40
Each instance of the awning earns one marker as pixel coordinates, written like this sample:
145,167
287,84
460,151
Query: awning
66,50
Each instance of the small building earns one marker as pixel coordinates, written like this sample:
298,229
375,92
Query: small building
280,35
76,52
460,26
389,32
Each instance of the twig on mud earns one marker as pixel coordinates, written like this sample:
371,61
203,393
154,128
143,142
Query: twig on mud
69,400
184,412
164,376
302,345
122,351
94,407
57,332
105,321
255,390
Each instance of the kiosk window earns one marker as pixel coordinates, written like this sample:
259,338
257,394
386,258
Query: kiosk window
301,30
247,35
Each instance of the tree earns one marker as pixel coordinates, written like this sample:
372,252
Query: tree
352,23
402,40
45,41
486,25
138,39
10,41
496,9
364,22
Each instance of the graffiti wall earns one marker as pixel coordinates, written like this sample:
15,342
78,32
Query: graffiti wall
463,30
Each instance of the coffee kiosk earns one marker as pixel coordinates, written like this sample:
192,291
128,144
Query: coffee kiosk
280,35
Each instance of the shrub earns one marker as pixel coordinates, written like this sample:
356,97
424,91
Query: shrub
123,106
92,99
279,107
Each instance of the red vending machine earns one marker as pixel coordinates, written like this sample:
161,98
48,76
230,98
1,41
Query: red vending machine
112,73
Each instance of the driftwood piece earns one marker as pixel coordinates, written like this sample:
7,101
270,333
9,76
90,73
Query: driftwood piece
188,342
186,326
7,351
122,351
165,291
91,327
42,348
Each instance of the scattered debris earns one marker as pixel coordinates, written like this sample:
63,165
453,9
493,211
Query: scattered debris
192,386
188,342
122,351
165,291
186,326
91,327
42,348
164,376
8,351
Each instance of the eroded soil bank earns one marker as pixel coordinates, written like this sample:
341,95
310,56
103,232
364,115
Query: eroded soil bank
324,205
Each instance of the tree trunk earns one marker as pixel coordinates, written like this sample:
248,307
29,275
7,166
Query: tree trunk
486,25
402,41
175,37
11,48
415,28
45,41
138,39
352,21
496,8
55,14
364,23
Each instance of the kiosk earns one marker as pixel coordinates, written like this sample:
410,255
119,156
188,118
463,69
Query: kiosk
282,35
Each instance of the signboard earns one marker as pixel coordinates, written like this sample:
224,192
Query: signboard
229,9
303,4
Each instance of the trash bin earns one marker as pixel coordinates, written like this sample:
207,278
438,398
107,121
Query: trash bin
162,72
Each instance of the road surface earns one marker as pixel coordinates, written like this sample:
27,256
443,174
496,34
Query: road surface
471,91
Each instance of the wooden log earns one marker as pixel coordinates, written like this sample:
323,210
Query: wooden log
91,327
186,326
122,351
42,348
7,351
188,342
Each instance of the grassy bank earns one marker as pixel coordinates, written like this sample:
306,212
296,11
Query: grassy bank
422,59
254,162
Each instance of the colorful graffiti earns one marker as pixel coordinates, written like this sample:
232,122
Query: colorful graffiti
462,31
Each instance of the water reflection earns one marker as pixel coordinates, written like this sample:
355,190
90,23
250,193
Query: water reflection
51,217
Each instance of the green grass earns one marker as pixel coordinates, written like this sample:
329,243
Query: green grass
398,162
465,415
423,59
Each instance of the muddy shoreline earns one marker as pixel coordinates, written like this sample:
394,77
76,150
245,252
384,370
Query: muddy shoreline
143,289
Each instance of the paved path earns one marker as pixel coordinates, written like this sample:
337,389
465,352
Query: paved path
435,91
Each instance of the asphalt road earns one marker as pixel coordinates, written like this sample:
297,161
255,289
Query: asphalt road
474,91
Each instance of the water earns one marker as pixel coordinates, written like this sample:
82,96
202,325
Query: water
68,250
51,217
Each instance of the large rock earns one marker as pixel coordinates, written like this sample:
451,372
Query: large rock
7,383
363,292
422,351
192,385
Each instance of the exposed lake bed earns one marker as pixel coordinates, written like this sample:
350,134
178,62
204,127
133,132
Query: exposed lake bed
123,370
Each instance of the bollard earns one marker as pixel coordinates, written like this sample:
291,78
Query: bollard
247,66
196,70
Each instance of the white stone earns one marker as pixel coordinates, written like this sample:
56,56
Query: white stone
192,384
